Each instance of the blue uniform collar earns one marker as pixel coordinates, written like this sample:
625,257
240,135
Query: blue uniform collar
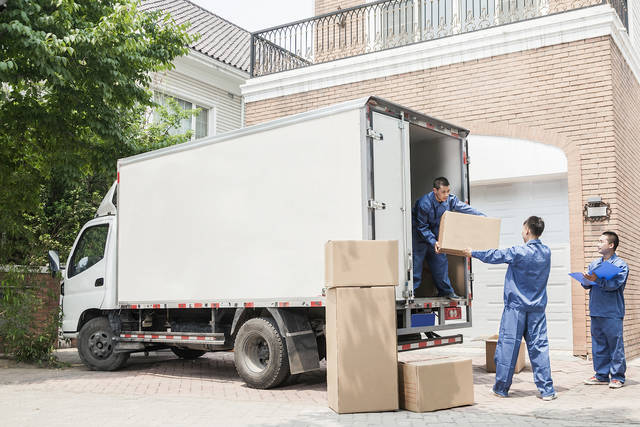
613,257
432,198
534,242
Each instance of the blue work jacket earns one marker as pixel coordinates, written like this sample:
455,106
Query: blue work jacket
606,298
427,213
525,284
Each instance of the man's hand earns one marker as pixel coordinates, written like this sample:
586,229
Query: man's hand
437,247
591,276
467,252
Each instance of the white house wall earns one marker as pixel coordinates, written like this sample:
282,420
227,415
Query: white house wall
201,80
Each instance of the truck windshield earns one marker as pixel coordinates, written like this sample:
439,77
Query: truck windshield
89,250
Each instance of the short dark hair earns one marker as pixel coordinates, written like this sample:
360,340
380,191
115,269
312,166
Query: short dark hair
440,181
535,224
612,238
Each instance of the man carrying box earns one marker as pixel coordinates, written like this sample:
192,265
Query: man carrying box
525,299
426,215
606,308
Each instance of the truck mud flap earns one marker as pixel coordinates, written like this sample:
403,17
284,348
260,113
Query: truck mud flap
301,342
430,341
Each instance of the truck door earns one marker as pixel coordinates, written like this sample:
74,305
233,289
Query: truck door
85,275
391,188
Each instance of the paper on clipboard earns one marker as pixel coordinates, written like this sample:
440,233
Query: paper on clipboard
606,270
580,278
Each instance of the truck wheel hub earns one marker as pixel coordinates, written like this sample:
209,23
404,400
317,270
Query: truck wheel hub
257,350
100,345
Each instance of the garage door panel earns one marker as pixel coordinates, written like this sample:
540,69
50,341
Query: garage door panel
513,203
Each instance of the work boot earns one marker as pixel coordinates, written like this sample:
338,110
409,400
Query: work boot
595,381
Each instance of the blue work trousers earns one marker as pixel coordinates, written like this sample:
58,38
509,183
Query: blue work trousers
438,264
607,346
533,326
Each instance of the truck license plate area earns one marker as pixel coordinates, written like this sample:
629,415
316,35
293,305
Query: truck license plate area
452,313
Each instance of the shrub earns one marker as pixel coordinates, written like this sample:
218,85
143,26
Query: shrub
29,318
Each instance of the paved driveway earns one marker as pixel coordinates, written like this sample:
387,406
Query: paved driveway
163,390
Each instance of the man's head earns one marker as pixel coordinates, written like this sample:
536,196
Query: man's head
532,228
608,243
441,188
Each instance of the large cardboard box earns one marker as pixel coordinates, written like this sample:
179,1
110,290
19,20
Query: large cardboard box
361,263
439,383
362,354
491,343
459,231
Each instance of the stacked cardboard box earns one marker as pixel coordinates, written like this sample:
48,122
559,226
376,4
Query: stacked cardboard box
362,355
490,345
433,384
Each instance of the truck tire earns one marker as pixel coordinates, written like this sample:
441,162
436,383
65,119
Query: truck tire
187,353
96,346
260,354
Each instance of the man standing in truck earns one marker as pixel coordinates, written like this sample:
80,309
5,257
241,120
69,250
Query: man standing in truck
426,216
525,300
606,308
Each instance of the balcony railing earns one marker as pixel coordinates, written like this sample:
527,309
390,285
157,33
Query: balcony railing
386,24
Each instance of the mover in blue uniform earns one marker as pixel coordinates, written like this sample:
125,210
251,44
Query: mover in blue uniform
525,300
426,216
606,308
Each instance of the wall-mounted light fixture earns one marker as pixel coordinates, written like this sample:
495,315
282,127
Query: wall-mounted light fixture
596,210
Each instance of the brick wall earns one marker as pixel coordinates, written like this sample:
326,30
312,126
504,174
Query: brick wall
561,95
626,91
49,300
326,6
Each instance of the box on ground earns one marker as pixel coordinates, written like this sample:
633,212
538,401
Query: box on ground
491,344
362,354
361,263
459,231
439,383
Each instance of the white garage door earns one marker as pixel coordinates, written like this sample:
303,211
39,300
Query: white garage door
514,202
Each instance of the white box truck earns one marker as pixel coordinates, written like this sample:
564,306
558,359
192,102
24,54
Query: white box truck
218,244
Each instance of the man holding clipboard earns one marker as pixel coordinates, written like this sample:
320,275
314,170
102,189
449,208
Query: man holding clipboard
606,280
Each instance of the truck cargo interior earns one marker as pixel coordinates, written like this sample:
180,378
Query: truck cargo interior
433,155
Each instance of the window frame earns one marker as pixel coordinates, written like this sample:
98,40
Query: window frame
71,271
211,111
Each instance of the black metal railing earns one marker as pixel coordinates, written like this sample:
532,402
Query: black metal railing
386,24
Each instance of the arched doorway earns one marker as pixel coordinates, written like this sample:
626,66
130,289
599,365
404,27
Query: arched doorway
513,179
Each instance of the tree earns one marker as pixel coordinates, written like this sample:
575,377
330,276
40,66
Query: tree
75,78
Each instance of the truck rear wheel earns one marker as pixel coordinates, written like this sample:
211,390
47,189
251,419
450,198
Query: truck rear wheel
96,346
260,354
187,353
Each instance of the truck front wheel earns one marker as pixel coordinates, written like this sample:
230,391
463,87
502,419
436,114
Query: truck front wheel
260,354
96,346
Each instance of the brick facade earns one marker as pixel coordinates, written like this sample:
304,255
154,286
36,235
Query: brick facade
561,95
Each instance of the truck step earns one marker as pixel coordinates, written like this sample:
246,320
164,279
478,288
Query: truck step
428,342
173,337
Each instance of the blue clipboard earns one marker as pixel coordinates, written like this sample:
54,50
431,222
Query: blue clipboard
606,271
580,278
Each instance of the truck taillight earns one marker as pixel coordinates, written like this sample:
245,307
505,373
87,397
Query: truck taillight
452,313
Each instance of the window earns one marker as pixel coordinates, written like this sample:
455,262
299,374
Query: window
198,123
89,250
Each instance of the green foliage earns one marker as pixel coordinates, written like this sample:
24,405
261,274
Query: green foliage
28,325
74,97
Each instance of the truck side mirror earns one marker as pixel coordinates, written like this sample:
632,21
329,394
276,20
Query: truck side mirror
54,263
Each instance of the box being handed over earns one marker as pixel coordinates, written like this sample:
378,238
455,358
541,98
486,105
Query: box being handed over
459,231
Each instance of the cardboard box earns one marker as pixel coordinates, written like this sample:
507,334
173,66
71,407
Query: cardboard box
439,383
491,344
361,263
459,231
362,354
